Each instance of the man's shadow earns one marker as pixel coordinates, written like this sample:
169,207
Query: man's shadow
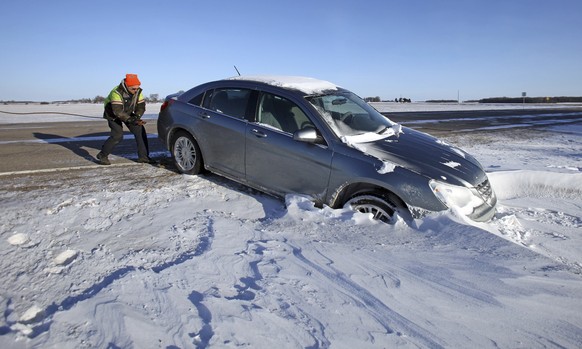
78,144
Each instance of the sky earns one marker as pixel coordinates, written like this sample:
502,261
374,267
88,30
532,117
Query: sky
418,49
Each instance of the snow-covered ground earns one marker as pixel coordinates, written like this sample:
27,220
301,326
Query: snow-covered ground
135,256
424,106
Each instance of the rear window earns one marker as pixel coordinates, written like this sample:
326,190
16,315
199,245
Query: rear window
197,100
232,102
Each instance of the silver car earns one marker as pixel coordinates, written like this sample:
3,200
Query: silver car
295,135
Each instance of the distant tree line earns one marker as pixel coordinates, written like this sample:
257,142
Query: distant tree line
536,100
373,99
442,101
22,102
396,100
152,98
531,100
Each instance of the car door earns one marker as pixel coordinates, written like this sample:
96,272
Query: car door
275,161
221,135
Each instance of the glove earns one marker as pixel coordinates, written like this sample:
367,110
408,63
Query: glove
140,122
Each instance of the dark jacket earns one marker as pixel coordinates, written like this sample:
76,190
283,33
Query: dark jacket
121,104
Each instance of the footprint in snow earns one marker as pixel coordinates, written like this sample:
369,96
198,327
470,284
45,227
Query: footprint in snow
18,239
21,240
33,314
61,261
65,257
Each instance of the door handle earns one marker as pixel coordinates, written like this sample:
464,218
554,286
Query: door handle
258,133
204,115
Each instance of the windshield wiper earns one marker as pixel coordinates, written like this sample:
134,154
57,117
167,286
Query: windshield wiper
382,130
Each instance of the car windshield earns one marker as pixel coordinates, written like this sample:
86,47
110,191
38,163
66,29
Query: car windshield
351,118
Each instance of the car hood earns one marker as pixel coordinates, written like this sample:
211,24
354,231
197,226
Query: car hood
428,156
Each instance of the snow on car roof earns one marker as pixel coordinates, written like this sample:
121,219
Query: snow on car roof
304,84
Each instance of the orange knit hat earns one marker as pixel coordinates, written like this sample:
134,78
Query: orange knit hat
132,80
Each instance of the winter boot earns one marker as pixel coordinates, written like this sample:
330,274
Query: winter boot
103,159
146,161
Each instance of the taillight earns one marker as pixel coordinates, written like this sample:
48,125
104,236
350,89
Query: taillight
166,104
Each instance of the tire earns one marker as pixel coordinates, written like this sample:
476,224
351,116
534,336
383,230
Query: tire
186,153
382,208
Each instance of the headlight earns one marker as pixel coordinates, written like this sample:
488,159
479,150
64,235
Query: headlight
455,196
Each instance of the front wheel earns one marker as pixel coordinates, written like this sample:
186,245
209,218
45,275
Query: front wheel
186,153
381,208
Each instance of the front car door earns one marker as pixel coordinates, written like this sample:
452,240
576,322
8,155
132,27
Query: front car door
277,163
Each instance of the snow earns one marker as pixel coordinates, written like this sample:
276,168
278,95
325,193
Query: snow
357,140
452,164
18,239
387,167
136,256
29,113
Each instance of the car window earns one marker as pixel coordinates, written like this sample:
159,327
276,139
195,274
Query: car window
196,100
281,114
348,115
232,102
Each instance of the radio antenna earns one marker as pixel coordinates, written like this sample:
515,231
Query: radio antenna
235,68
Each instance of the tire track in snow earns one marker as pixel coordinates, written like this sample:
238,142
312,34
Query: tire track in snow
384,314
251,286
203,246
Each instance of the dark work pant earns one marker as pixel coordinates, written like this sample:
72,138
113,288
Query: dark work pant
116,135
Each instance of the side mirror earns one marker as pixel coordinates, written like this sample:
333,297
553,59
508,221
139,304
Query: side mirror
307,135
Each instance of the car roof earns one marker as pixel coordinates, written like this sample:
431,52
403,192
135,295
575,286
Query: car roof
307,85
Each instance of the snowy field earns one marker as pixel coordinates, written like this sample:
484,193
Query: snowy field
423,106
135,256
12,113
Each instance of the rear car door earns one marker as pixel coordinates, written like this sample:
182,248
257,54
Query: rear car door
275,161
222,134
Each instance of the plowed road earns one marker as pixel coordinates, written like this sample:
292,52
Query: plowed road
39,147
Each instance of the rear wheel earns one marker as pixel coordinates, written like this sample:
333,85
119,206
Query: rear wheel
381,207
186,153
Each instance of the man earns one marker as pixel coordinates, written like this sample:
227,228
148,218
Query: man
125,105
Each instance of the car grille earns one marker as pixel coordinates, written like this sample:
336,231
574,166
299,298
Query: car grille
484,188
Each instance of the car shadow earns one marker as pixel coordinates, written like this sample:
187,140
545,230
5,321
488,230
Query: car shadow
274,207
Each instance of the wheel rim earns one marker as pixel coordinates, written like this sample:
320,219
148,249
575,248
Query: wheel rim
185,153
379,208
377,212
